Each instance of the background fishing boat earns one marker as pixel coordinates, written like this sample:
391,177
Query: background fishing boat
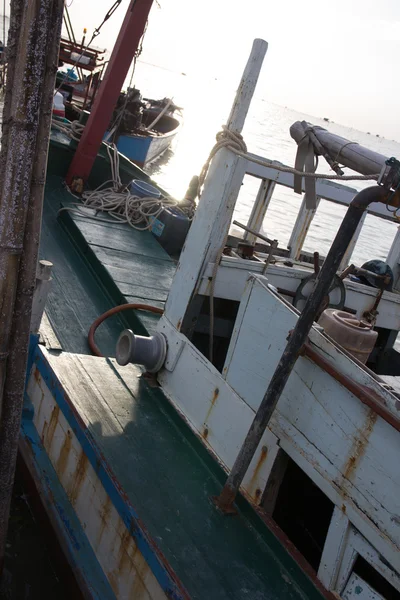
143,129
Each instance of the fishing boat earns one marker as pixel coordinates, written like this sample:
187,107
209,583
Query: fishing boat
143,129
209,439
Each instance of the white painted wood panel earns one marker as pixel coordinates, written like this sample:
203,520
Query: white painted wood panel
327,190
352,437
335,544
324,428
356,545
233,273
358,589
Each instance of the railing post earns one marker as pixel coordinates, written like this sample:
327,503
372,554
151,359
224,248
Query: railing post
393,259
301,227
344,263
214,213
43,282
259,210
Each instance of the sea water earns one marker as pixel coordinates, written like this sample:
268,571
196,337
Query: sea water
206,105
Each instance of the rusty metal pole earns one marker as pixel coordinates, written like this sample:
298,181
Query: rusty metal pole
37,29
100,116
295,344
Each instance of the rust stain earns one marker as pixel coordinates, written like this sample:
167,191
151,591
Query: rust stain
79,476
48,437
123,552
210,409
37,375
44,431
254,478
359,446
131,566
64,453
113,579
138,589
40,403
104,517
178,325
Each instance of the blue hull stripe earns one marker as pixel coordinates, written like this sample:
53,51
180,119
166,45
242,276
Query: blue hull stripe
154,558
84,563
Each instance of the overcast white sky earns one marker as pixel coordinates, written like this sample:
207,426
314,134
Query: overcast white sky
339,59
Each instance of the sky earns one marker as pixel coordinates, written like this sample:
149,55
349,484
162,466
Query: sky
328,59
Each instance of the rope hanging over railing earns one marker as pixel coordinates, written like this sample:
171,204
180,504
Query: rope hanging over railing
235,142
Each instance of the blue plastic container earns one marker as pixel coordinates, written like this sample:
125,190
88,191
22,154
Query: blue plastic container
171,227
144,189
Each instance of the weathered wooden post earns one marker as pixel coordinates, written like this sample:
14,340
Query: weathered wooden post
34,39
214,214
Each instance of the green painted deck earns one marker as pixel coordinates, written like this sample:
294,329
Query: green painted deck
169,479
165,470
96,266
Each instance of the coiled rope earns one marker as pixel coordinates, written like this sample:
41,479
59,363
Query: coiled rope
120,204
73,129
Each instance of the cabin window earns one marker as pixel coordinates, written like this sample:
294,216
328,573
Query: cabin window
374,579
300,509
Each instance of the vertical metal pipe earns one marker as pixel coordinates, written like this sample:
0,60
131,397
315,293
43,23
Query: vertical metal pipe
31,102
295,343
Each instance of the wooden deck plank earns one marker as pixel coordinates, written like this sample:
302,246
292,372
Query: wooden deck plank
132,261
85,273
75,299
156,461
120,237
143,271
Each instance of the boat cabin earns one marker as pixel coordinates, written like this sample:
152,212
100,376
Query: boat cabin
325,475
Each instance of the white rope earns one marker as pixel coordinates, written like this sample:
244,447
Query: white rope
118,201
72,129
234,142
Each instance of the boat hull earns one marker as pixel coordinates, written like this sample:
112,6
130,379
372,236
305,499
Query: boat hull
145,149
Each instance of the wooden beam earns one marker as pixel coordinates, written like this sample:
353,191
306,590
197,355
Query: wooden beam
350,248
260,207
274,483
393,259
301,227
35,31
334,546
214,213
326,190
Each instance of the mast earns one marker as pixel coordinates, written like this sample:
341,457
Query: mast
33,49
121,58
